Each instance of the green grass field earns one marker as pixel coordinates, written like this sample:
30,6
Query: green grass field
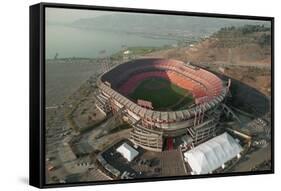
163,94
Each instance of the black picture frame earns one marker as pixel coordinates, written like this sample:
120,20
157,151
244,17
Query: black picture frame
37,92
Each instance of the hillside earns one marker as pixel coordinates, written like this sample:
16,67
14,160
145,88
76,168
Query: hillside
244,53
233,45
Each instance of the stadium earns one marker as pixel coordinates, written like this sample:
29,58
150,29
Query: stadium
163,100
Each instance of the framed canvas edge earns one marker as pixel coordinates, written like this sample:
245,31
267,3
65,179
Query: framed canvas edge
40,92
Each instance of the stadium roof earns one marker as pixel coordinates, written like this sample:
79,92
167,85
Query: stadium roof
127,151
212,154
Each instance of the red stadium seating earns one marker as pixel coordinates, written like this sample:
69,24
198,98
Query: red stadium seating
200,82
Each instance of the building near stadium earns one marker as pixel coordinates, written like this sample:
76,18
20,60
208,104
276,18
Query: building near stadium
163,99
127,151
212,154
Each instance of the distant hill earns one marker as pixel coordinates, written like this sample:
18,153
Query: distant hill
159,24
248,44
235,45
231,37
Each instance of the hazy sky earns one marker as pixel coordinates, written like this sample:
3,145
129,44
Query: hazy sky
63,15
69,15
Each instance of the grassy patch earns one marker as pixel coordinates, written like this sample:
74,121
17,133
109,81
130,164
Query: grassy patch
163,94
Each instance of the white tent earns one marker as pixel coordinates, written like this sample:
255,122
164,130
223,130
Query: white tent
127,151
212,154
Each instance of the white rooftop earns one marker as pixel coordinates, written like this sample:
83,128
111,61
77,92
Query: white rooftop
127,151
127,52
212,154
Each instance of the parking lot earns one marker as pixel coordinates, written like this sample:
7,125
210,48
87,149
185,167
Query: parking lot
147,163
